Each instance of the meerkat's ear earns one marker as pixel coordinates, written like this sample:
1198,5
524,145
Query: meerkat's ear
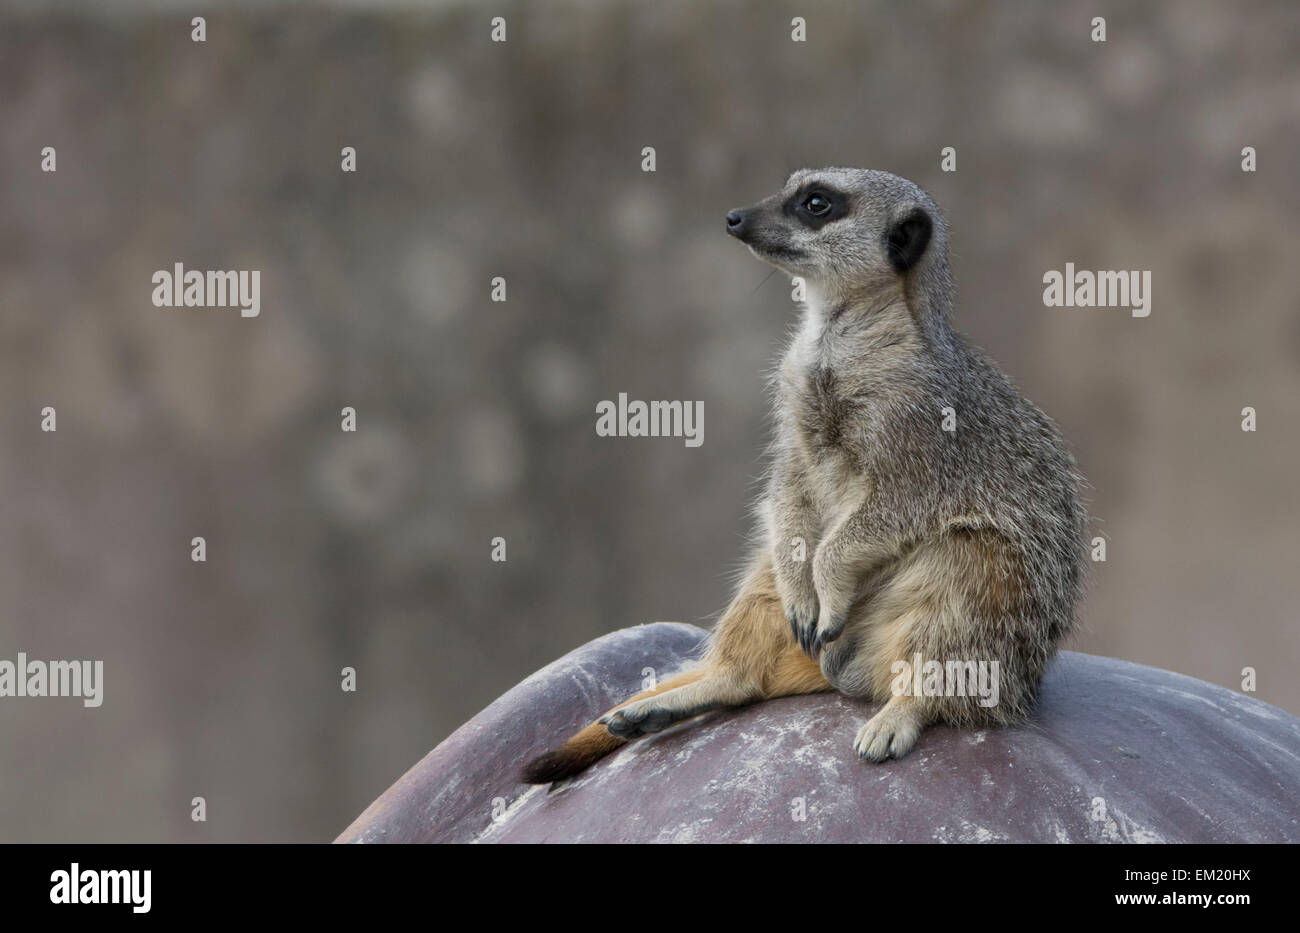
907,238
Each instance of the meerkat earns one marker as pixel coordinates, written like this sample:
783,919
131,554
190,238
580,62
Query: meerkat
936,510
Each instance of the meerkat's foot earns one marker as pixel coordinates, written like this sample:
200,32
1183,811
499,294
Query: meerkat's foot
802,616
890,733
637,719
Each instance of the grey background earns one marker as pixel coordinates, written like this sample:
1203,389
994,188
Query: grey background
477,419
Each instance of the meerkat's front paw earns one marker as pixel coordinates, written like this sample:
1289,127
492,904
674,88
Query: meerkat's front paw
802,616
799,601
890,733
637,719
830,625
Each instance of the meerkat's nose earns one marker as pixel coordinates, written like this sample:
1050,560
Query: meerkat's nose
736,222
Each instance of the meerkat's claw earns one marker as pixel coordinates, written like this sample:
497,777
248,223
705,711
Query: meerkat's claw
888,734
803,626
807,636
827,632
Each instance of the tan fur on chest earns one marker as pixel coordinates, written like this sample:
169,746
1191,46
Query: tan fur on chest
838,368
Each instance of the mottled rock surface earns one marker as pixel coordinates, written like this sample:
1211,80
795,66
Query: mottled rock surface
1119,753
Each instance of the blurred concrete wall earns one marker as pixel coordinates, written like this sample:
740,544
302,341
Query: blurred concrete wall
476,419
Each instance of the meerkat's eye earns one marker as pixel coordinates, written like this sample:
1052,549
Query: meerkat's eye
817,205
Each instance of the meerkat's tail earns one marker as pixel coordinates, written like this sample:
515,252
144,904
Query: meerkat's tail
594,742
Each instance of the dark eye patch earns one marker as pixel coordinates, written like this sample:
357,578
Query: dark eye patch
797,206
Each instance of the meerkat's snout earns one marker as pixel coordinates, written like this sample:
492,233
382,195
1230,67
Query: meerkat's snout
765,229
740,224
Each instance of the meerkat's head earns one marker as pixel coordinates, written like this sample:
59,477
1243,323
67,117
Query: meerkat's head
846,229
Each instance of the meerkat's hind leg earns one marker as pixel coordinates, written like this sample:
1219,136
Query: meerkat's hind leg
783,670
892,732
751,657
654,714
